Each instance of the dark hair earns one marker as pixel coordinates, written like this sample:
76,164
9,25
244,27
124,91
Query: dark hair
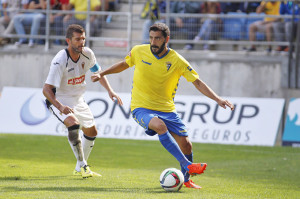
160,27
74,28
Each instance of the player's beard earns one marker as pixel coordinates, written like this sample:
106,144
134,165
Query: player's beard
77,49
160,49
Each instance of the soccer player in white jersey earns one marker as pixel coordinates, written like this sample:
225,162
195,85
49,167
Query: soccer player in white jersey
64,89
155,81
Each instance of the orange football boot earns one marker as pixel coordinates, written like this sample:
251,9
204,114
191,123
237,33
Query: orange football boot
196,168
191,184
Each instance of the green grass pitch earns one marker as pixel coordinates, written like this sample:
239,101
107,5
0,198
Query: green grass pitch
35,166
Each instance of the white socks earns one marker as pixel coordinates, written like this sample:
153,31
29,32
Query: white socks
87,146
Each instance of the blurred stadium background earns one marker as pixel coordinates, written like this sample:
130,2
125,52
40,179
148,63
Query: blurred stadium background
266,84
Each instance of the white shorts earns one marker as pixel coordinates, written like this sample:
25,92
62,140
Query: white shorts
81,111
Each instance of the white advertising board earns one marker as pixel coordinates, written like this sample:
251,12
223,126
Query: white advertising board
255,121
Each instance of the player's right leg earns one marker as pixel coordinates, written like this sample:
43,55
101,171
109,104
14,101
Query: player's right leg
76,145
71,122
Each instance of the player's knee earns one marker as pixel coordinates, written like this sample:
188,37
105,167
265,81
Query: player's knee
73,134
94,133
158,126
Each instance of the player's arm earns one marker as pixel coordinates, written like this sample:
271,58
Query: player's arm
104,82
49,94
116,68
207,91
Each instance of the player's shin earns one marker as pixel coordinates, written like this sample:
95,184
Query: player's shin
76,145
87,145
171,145
184,171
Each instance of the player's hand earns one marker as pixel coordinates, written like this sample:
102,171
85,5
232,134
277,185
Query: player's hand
66,110
225,103
95,77
114,97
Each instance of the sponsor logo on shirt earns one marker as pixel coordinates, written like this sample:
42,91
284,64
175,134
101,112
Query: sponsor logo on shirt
76,80
82,65
70,69
146,62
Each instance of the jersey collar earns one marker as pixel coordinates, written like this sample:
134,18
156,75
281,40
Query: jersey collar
157,57
68,54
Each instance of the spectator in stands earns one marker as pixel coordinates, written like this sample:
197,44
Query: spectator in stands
209,26
186,25
110,5
231,7
283,30
56,20
11,8
151,12
249,7
30,18
265,26
79,6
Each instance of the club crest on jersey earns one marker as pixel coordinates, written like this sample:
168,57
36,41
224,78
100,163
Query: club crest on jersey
168,64
82,65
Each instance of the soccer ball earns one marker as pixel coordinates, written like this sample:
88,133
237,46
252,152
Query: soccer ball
171,179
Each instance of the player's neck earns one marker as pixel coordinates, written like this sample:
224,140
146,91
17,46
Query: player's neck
74,55
163,52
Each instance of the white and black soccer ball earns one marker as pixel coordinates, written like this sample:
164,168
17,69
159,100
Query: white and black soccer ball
171,179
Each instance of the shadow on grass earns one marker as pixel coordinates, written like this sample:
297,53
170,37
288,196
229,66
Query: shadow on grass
156,190
31,178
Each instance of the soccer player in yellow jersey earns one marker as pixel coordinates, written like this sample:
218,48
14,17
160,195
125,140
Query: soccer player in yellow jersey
156,75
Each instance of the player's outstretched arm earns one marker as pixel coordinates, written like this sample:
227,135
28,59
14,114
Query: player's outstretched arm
116,68
207,91
104,82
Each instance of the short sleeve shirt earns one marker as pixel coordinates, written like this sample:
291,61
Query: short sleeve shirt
156,79
68,76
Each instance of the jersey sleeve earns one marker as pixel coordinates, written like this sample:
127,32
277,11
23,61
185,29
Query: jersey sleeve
187,71
94,66
56,71
130,57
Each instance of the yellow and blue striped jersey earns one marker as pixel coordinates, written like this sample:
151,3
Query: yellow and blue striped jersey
155,79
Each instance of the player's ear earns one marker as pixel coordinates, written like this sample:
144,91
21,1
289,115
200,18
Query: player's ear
167,39
68,40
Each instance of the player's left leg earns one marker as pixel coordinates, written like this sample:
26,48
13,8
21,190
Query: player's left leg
186,148
88,140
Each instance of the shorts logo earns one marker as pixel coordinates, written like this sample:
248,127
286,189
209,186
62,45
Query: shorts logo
76,80
168,64
82,65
